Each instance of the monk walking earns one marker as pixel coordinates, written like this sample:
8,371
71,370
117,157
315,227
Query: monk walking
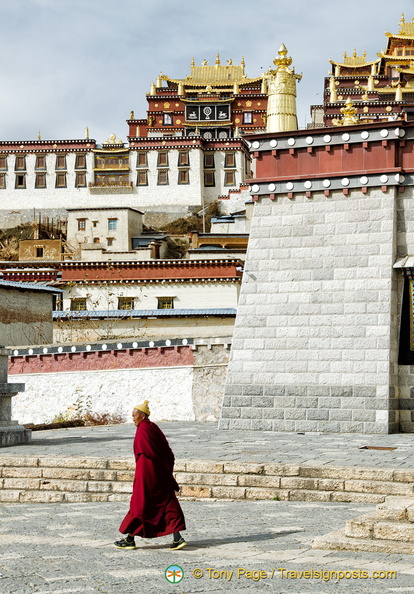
154,509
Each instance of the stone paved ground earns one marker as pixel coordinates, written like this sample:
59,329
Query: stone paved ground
55,548
58,549
205,441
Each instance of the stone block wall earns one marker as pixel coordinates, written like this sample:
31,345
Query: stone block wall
316,335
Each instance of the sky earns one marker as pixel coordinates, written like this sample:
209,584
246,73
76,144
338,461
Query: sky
68,64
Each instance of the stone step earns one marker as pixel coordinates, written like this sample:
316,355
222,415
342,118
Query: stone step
52,478
339,541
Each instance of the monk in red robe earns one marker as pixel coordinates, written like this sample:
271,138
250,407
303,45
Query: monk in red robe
154,509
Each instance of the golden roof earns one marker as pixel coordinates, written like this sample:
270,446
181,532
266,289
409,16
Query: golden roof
354,61
406,29
215,75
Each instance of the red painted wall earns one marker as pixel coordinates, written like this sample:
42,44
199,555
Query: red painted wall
100,360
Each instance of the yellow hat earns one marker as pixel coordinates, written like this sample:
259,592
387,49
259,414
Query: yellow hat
143,407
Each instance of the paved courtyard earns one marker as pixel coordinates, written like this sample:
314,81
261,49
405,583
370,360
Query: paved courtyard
234,546
203,441
68,548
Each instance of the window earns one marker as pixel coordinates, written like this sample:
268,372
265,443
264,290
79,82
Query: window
165,303
209,179
183,159
3,162
406,346
40,162
80,162
60,180
78,304
183,176
229,160
229,178
142,178
142,159
20,163
162,177
209,160
60,161
126,303
112,224
2,181
109,241
96,240
81,224
80,180
247,117
167,119
94,223
40,181
39,252
162,160
20,180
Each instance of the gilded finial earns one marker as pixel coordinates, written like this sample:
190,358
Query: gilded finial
365,54
132,115
192,63
230,62
282,50
402,19
242,62
87,133
38,136
354,53
345,56
204,62
217,59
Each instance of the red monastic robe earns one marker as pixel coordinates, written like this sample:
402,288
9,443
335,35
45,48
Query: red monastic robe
154,509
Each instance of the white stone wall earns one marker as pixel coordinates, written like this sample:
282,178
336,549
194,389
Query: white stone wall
169,391
150,198
187,295
49,197
315,339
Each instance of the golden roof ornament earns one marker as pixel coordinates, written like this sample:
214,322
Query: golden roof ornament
38,136
281,84
349,112
113,140
218,59
87,133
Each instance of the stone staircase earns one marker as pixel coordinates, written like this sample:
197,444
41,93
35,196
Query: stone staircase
389,529
70,479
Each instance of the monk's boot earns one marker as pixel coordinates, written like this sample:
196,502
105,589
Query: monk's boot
178,544
125,543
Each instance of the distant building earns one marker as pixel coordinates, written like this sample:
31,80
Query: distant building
148,299
381,89
191,149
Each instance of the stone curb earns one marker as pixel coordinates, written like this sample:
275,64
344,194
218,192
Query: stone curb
60,479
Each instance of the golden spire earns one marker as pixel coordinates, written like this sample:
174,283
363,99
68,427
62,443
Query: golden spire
217,59
242,62
87,133
281,105
192,63
38,136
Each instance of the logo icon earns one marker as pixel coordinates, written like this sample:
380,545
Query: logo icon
174,574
